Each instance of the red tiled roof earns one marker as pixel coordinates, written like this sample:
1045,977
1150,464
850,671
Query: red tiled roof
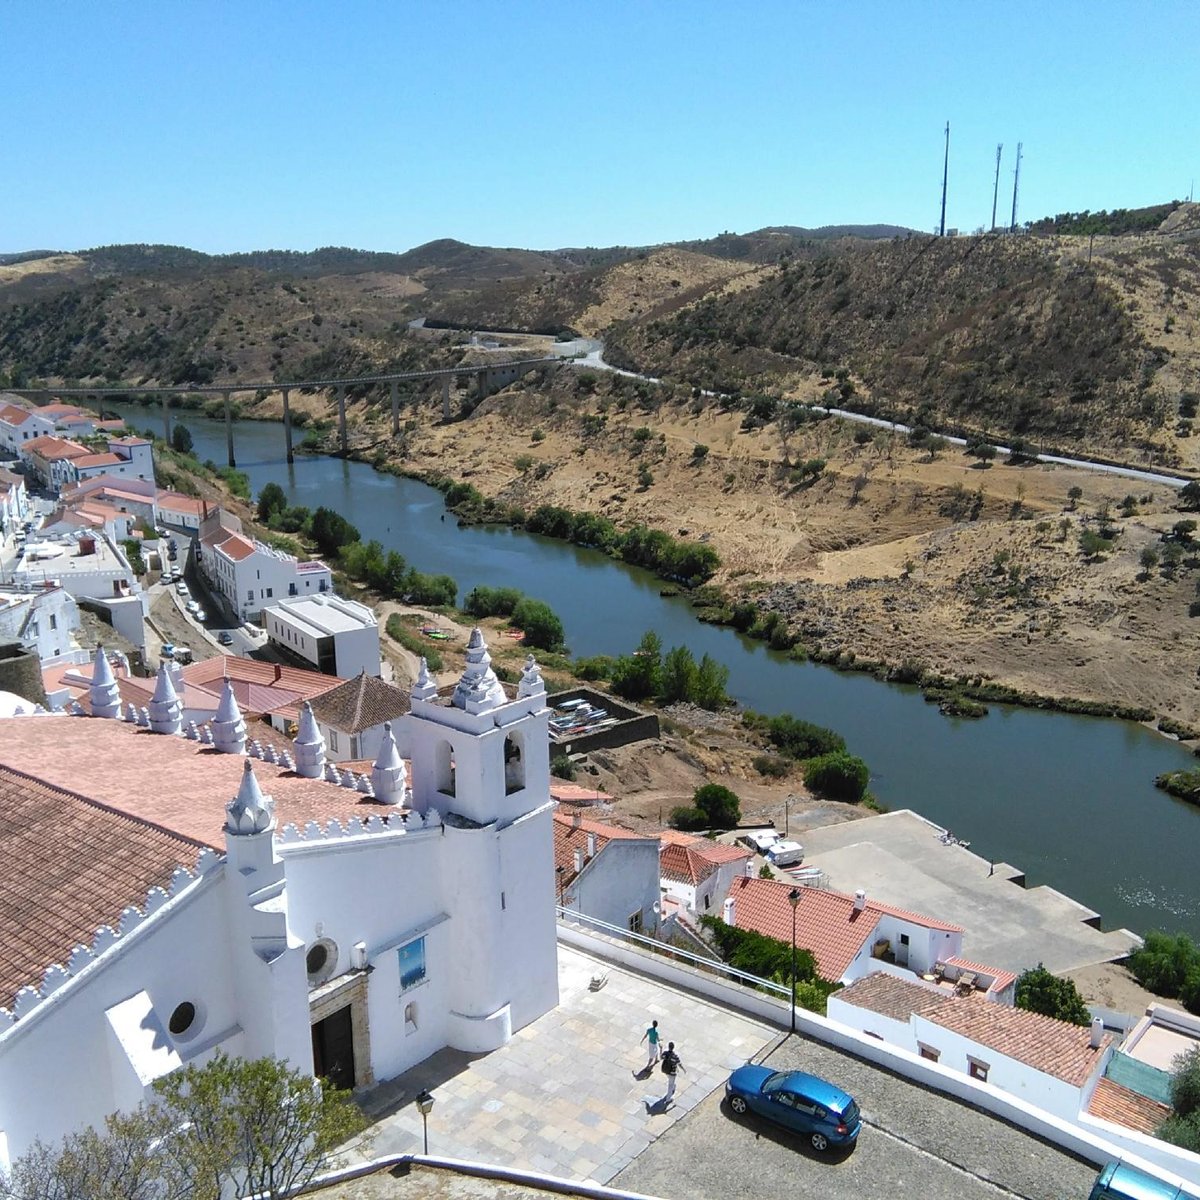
681,864
61,410
234,546
50,447
1122,1106
1048,1045
178,502
891,996
99,460
827,923
70,866
361,703
1002,978
570,834
304,684
13,414
915,918
573,793
176,785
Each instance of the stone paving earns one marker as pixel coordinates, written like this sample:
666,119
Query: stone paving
565,1096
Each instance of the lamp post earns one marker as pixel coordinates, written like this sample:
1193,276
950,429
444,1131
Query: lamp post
786,815
425,1104
794,901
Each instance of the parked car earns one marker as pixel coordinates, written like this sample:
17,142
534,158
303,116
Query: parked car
760,841
168,650
225,637
1118,1181
193,606
183,589
200,615
799,1101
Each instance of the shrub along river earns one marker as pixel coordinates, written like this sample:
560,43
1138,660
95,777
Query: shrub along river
1069,800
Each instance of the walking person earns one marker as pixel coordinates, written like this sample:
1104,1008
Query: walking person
651,1038
671,1063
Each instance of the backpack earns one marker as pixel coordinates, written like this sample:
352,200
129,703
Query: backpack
670,1061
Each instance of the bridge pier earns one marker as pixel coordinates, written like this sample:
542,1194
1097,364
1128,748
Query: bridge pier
166,403
395,408
229,429
343,440
287,424
445,397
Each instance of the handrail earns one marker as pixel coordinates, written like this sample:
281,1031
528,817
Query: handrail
713,966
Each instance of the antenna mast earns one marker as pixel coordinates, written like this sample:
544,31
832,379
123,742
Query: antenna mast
945,180
996,185
1016,182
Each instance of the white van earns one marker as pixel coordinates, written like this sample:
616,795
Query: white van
785,854
760,841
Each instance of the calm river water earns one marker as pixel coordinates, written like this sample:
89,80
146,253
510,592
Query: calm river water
1070,800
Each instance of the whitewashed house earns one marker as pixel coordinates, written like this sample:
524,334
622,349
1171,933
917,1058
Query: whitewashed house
352,716
19,425
698,872
174,901
43,619
339,637
14,501
606,872
126,458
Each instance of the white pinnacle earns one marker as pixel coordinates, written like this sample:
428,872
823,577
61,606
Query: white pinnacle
389,779
104,693
249,811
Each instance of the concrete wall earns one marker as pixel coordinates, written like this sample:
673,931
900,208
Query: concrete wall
621,882
635,725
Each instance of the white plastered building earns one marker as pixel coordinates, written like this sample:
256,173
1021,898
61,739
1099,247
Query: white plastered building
339,637
347,924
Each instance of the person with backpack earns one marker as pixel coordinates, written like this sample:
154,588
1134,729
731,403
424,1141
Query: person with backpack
671,1064
651,1037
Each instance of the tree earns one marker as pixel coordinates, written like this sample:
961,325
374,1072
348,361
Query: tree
1189,495
1182,1127
710,683
802,739
542,627
984,451
678,676
636,676
1092,545
331,531
258,1124
1182,531
1164,962
721,807
1041,992
1148,558
271,500
837,776
1074,495
181,439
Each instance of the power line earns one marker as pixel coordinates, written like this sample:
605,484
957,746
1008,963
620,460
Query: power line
996,185
945,180
1016,184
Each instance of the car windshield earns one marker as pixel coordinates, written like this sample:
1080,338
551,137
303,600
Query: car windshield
850,1114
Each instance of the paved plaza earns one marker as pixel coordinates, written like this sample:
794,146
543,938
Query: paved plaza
563,1097
897,858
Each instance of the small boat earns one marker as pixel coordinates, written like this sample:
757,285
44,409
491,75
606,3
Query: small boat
517,635
438,635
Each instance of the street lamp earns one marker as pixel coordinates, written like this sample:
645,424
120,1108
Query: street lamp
794,901
425,1104
787,805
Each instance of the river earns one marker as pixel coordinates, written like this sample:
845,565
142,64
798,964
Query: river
1069,800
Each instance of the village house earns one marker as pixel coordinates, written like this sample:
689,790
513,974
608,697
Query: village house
133,496
698,872
43,619
126,457
352,716
607,873
340,637
248,574
14,501
49,459
182,897
19,425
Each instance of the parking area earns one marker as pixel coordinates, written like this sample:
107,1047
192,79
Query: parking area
913,1143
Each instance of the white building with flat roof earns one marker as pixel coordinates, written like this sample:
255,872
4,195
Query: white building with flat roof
339,637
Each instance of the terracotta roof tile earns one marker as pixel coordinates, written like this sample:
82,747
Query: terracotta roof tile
361,703
574,793
915,918
235,547
70,866
49,446
99,460
304,683
827,923
682,864
571,834
1002,978
1054,1047
12,414
891,996
1122,1106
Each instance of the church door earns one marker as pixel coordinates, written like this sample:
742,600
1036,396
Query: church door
333,1048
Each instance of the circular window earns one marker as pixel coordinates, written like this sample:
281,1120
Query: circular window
320,961
182,1019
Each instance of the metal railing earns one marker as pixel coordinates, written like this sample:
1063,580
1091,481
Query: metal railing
662,949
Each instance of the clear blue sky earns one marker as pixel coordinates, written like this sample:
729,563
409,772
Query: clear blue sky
239,125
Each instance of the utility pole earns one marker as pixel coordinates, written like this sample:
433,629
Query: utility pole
945,180
996,185
1016,183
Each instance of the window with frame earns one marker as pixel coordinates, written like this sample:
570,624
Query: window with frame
977,1070
929,1052
333,740
411,959
635,922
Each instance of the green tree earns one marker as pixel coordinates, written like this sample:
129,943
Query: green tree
271,500
1164,961
837,776
1148,558
688,819
562,767
1182,1127
1092,544
1074,495
984,451
1182,531
258,1124
678,676
1189,495
1041,992
709,687
331,531
543,629
720,806
636,676
181,439
802,739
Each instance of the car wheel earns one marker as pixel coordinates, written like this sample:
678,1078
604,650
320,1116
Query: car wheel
819,1141
739,1105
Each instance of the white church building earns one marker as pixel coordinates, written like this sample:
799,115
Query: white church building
171,891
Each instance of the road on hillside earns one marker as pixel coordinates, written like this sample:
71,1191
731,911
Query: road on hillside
594,358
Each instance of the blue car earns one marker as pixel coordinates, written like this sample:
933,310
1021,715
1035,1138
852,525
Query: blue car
798,1101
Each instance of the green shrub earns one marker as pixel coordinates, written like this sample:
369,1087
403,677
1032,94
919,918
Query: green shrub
562,767
721,807
408,637
491,602
542,627
1164,962
687,819
837,776
1051,995
773,766
599,666
802,739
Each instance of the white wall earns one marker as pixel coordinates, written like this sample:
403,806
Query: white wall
621,881
925,947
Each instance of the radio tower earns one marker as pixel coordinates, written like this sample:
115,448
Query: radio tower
996,185
945,180
1016,182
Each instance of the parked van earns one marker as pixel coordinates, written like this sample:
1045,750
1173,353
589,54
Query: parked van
785,854
1120,1182
760,841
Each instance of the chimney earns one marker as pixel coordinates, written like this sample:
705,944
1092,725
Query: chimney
591,845
860,900
358,956
749,867
576,819
727,910
278,672
1097,1033
87,545
578,861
